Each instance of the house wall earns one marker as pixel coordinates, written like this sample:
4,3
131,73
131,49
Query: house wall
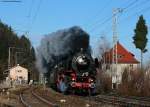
122,67
17,72
116,73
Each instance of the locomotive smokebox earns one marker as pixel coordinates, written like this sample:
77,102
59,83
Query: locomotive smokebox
81,62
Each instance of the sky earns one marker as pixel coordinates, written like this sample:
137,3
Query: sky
36,18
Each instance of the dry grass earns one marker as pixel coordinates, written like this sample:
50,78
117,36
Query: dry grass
67,100
10,97
9,101
135,83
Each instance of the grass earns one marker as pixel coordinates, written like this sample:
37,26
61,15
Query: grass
66,100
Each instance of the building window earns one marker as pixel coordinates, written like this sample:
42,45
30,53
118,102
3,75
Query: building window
19,71
131,66
119,56
20,77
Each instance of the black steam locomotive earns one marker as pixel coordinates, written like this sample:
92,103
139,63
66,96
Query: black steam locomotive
79,73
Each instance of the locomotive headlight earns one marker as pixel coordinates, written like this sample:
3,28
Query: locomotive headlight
91,80
73,79
81,60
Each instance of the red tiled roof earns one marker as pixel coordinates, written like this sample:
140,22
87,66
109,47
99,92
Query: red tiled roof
124,56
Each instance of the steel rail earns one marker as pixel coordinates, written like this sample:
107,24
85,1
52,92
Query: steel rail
43,100
122,101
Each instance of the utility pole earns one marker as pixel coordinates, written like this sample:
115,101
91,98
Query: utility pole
115,34
9,56
16,57
115,40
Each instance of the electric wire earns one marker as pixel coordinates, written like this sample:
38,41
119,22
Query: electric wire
109,18
131,16
11,1
98,13
30,9
131,4
34,17
36,13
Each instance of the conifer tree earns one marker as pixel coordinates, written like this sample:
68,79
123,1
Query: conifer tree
140,37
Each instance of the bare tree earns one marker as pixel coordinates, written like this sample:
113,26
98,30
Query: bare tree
104,46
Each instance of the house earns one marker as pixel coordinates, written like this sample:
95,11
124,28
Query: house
116,65
19,74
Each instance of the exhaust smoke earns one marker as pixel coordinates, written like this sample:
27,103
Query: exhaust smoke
59,45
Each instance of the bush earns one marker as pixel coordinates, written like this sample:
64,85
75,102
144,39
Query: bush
104,82
135,83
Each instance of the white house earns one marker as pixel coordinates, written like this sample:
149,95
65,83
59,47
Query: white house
18,73
124,59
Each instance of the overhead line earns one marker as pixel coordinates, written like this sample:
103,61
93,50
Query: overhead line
131,4
10,1
34,17
145,10
141,4
36,13
100,11
108,19
31,19
105,21
30,9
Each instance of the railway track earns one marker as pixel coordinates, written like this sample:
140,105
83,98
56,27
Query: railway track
30,99
122,101
3,89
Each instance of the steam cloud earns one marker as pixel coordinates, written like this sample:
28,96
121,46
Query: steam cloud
60,45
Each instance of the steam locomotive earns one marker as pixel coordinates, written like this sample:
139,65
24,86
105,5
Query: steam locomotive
79,73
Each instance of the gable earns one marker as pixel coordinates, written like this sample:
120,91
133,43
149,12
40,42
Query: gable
123,55
127,57
18,68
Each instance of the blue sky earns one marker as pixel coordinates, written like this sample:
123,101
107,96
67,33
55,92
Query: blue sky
40,17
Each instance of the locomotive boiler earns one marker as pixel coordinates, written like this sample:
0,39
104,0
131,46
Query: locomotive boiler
77,73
